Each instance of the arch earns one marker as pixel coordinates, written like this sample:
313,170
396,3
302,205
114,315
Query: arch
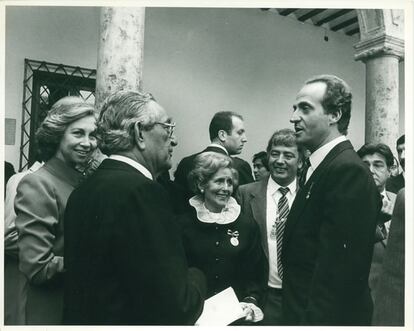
381,33
381,47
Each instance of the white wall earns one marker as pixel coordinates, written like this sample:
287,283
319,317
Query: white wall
197,62
244,60
66,35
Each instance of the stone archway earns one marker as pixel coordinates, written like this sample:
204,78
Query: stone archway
381,48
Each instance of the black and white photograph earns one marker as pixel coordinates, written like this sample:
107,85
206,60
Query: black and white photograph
207,163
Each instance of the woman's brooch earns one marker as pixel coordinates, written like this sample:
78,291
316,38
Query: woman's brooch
234,235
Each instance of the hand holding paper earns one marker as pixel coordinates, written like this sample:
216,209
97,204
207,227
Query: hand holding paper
221,309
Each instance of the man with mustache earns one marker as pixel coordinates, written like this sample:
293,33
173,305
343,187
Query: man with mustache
227,136
394,184
124,258
268,202
329,234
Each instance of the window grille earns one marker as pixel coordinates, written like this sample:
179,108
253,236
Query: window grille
44,84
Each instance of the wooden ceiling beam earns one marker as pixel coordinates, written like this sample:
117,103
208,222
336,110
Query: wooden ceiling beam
344,24
333,16
352,32
310,14
287,11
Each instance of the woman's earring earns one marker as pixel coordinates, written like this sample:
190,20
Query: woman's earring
202,190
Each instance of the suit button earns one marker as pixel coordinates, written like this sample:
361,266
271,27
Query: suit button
217,259
216,227
217,243
217,277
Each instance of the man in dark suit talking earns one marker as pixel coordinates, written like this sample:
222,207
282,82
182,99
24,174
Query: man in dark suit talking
124,259
329,234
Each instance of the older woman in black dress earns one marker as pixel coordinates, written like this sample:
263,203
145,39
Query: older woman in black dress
218,239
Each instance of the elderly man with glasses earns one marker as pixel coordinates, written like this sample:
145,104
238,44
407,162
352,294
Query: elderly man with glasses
124,258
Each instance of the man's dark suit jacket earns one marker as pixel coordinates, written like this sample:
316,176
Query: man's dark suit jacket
328,244
124,259
389,310
252,199
394,184
379,251
187,164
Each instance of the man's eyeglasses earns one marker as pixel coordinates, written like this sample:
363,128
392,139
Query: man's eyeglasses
169,127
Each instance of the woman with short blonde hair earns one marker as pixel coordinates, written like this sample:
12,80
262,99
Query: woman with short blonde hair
66,139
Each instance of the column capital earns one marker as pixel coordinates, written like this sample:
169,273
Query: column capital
382,45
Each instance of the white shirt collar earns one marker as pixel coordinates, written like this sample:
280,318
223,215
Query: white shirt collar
132,163
35,166
317,156
228,215
273,187
384,194
219,146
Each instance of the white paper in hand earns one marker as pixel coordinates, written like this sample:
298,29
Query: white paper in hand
221,309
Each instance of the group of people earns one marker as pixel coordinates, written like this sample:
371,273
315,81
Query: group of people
100,235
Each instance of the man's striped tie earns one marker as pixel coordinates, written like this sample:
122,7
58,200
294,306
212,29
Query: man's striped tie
283,211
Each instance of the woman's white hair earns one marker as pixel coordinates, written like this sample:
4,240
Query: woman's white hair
205,166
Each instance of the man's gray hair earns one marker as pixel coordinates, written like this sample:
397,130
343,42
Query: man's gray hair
119,113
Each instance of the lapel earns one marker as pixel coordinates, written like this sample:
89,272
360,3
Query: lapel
401,179
65,173
258,206
304,194
391,196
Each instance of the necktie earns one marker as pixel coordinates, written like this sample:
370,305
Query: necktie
283,211
383,231
302,177
382,225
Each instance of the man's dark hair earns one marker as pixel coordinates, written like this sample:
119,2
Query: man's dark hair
382,149
285,137
222,120
338,96
262,156
401,140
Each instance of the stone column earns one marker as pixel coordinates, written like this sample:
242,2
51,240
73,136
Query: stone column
121,51
381,49
382,100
